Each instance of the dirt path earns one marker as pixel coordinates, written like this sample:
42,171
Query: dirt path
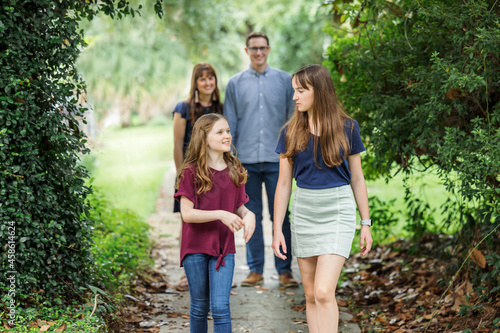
266,309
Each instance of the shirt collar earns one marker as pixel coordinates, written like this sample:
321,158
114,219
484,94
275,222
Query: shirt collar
254,72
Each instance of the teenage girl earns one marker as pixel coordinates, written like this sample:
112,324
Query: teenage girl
320,147
212,195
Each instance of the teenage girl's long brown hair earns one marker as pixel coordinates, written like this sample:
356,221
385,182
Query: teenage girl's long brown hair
196,109
328,117
197,156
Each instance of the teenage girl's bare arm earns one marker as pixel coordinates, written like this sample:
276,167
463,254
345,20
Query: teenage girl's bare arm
248,221
179,132
191,215
281,199
358,186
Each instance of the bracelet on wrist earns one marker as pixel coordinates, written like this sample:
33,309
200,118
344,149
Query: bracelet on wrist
366,222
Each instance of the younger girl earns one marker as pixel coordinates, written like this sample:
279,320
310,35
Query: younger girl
320,147
212,195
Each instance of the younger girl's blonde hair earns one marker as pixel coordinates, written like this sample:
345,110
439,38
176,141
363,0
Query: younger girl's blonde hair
197,156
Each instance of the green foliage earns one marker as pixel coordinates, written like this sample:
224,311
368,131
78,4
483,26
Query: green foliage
76,318
208,30
143,65
122,244
134,64
422,78
215,31
43,191
43,196
384,216
298,40
420,216
129,164
489,281
385,219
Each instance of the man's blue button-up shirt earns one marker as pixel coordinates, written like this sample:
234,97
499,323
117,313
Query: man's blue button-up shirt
256,106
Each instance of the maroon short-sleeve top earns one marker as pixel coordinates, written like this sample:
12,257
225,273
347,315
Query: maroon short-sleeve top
213,238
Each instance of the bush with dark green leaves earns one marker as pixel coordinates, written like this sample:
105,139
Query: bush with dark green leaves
44,224
423,79
122,244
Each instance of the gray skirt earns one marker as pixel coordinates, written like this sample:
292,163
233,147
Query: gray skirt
323,221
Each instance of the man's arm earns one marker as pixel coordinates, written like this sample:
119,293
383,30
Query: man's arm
290,108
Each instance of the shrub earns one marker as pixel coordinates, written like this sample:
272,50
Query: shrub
43,198
122,244
422,78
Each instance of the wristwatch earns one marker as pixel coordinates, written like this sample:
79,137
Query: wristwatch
366,222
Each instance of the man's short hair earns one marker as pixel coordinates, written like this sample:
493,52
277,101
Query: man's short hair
257,35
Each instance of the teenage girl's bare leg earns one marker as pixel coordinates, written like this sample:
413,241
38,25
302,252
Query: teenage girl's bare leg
319,278
328,270
307,267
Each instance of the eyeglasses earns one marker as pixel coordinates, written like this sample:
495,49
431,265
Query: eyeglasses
262,49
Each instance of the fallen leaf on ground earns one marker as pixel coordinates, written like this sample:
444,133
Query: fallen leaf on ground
298,308
132,318
62,328
341,303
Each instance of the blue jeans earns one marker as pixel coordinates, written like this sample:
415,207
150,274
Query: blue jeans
209,290
268,174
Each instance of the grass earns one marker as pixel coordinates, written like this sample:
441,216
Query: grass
75,318
426,186
122,246
128,164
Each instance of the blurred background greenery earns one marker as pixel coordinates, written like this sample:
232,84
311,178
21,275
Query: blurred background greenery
141,66
138,68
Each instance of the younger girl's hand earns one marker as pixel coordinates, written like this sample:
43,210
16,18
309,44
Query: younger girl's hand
365,240
279,240
249,224
232,221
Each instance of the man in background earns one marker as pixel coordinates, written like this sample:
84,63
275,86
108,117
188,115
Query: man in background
258,103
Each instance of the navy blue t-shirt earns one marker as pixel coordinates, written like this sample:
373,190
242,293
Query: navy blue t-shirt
305,171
